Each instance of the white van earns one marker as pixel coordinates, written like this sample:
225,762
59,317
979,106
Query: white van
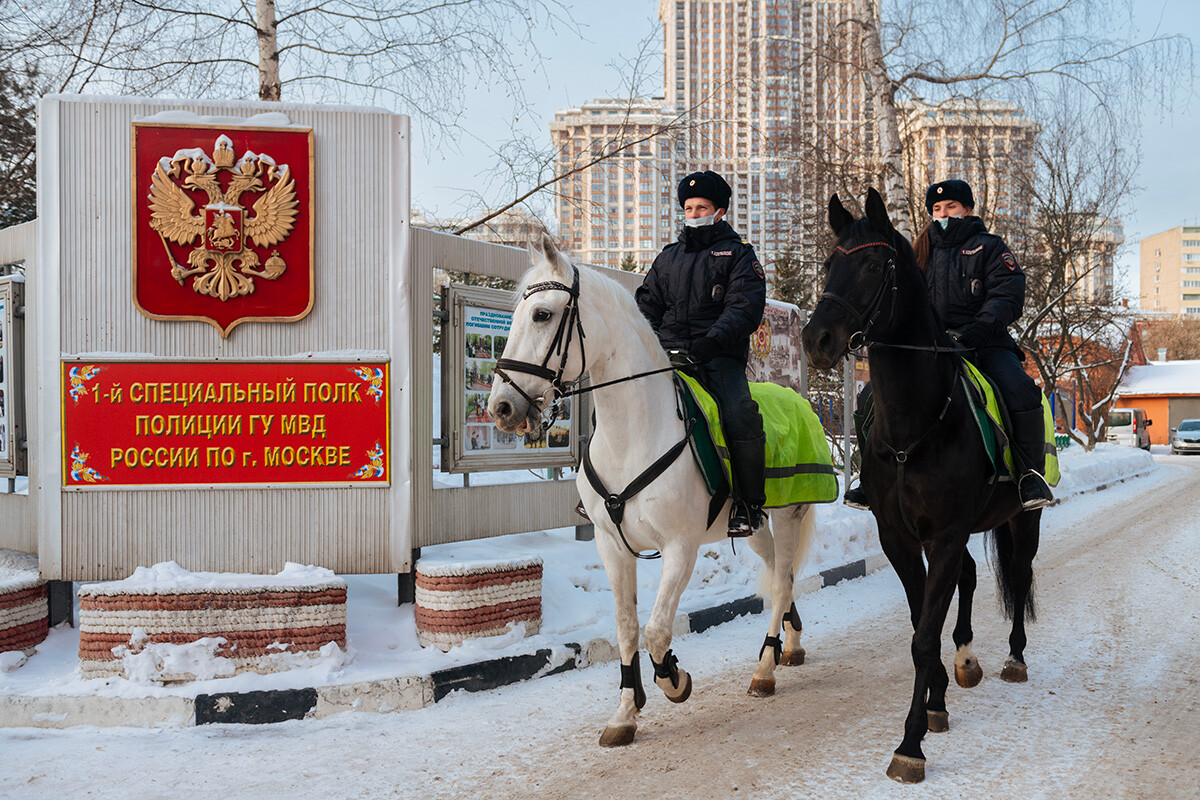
1129,426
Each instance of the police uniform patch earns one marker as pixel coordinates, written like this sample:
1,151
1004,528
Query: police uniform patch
972,251
720,252
758,270
1008,260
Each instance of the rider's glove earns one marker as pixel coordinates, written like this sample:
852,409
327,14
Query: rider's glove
972,337
704,349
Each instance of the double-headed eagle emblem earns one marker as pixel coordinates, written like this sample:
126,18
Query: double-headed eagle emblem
223,264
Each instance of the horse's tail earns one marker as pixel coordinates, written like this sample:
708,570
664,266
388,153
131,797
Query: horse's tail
1001,546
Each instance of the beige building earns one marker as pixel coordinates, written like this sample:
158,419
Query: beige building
987,144
1170,271
621,206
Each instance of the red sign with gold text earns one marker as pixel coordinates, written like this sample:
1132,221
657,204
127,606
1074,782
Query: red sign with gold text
223,223
141,424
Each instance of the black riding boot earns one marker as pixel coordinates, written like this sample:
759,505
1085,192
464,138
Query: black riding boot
857,497
748,465
1029,431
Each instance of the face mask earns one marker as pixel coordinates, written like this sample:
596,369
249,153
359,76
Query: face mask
944,221
700,222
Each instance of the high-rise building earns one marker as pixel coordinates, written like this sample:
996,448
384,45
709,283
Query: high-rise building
621,206
761,92
1170,271
985,143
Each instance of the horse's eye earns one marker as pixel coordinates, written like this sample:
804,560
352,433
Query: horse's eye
541,315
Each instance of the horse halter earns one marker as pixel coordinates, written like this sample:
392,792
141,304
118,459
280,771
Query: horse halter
866,320
560,344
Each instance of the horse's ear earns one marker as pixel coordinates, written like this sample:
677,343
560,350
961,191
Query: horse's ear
839,217
554,258
877,211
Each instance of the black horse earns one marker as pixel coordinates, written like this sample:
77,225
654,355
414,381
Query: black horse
924,468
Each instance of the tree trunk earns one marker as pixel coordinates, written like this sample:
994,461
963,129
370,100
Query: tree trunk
269,87
887,119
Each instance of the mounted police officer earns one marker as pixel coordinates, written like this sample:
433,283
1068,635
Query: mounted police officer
978,290
705,295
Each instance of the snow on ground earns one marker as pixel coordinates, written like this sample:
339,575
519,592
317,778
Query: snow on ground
576,600
1063,735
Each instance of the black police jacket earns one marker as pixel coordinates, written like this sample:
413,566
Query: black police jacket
708,283
974,281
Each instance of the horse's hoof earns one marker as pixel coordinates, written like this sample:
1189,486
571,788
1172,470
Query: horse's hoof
792,658
762,687
968,673
939,721
673,693
617,736
1014,671
906,769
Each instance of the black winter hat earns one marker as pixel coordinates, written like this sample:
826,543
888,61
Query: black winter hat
949,190
708,185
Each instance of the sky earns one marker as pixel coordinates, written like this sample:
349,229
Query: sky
580,66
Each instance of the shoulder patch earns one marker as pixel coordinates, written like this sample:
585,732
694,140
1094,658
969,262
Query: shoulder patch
1008,260
758,270
972,251
720,252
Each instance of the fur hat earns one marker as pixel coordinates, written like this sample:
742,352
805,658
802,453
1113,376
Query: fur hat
708,185
949,190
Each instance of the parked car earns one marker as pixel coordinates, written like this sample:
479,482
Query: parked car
1186,438
1129,426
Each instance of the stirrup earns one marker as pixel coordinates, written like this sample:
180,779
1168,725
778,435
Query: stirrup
856,498
744,520
581,511
1034,491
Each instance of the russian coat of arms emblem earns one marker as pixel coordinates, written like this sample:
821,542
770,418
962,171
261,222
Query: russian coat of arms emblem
223,223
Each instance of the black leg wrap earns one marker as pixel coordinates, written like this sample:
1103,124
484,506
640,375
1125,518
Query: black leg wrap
631,678
774,643
669,668
792,617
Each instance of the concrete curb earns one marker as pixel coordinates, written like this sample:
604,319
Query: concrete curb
391,694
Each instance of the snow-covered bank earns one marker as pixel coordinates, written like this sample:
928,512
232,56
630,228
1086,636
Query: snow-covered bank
577,603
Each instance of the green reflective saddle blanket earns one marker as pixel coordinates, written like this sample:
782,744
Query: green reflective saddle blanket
799,468
990,419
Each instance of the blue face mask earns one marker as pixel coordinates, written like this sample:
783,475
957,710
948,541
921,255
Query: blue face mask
944,221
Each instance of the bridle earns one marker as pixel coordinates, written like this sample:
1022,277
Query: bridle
568,324
866,320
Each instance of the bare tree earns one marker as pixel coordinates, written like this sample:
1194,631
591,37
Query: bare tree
1179,337
18,189
1000,49
423,56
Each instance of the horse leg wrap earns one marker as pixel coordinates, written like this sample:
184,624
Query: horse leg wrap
775,644
675,683
792,617
631,678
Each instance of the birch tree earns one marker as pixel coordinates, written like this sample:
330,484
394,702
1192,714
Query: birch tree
1001,49
420,57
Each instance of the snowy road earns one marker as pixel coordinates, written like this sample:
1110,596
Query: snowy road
1112,707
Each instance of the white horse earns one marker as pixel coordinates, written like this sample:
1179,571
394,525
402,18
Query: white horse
636,424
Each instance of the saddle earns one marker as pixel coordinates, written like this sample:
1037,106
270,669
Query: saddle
991,417
799,467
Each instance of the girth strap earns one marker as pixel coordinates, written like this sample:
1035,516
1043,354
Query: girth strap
615,503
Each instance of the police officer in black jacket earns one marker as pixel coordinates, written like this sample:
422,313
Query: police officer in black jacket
705,294
978,290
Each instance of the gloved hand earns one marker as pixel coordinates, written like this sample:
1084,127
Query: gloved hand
973,337
704,349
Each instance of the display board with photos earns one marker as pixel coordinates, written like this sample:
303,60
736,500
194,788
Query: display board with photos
474,335
12,461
